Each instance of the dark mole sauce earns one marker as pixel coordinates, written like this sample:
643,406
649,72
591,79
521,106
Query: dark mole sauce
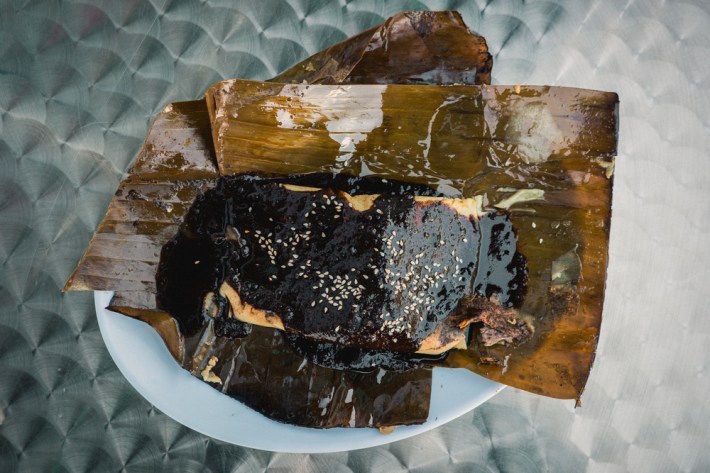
377,281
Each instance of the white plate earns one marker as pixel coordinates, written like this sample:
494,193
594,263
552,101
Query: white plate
146,363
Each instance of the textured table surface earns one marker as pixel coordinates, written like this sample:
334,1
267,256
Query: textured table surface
79,84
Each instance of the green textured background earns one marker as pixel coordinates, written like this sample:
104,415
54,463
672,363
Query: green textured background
79,85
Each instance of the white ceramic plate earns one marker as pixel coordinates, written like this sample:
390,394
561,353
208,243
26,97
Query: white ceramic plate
146,363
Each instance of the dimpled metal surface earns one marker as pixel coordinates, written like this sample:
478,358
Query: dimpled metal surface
79,85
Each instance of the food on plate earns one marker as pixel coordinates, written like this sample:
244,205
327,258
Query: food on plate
506,188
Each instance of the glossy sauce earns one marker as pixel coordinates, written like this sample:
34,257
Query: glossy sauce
259,237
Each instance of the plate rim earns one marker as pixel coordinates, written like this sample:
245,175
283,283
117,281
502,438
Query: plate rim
260,432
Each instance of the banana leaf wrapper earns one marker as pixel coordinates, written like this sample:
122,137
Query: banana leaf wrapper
262,371
439,136
175,165
542,154
422,47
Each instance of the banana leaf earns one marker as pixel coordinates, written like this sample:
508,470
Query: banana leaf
440,136
264,372
424,47
175,165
